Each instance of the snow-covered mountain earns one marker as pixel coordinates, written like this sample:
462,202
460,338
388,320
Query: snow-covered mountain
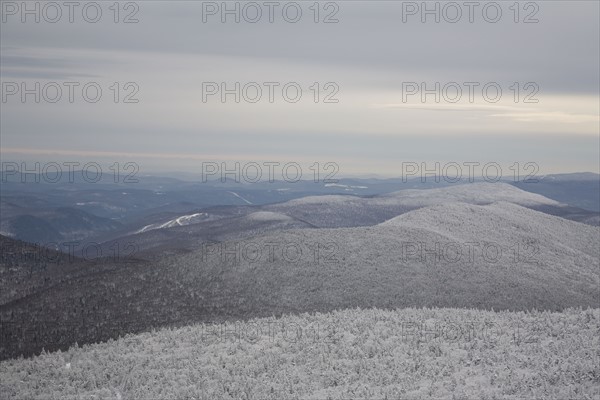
483,252
347,211
500,255
329,211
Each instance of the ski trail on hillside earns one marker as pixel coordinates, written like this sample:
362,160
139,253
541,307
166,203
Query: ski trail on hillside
240,197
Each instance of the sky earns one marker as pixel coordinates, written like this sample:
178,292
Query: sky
381,83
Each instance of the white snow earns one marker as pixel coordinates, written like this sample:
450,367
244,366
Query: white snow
352,353
179,221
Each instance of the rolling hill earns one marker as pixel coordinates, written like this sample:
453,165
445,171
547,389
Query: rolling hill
329,211
499,255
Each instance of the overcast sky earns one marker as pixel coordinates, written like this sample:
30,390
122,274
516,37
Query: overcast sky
369,57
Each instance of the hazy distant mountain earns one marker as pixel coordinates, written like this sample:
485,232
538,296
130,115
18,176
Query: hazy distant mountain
46,226
330,211
578,190
160,202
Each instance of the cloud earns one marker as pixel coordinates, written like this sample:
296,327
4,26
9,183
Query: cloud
550,116
369,54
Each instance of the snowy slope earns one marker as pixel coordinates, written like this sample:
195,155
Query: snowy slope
347,211
475,193
500,256
350,354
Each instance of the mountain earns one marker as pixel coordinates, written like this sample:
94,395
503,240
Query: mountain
329,211
129,207
521,259
348,211
500,256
